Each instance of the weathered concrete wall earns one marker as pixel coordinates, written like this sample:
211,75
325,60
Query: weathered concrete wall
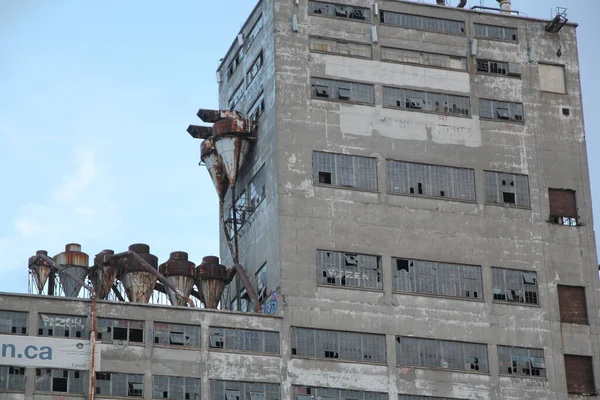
548,147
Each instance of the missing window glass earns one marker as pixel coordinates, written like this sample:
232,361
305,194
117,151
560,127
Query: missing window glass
509,198
325,177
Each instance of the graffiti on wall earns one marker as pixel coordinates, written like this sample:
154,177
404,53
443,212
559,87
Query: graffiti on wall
270,303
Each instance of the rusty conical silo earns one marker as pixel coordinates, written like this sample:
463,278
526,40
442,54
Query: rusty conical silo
136,279
103,274
181,273
40,271
76,263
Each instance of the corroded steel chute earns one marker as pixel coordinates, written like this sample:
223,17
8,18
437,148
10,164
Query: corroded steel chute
40,271
102,274
212,278
137,281
76,263
181,272
214,165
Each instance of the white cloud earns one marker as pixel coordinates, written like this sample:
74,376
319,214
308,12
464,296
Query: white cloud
83,177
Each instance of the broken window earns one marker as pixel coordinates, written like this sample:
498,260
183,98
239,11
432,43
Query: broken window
167,334
235,62
12,378
563,207
120,330
492,67
256,28
423,58
507,189
244,340
61,380
257,189
349,270
339,11
515,286
430,180
320,393
349,346
176,388
572,305
257,108
119,384
342,90
496,32
501,110
13,323
580,375
444,354
237,96
521,361
261,283
345,170
340,47
438,103
442,279
234,390
421,22
62,326
254,69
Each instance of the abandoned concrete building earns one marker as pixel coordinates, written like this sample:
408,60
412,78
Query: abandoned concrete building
406,186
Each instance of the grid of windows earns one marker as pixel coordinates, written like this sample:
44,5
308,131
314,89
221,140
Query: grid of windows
329,89
421,22
244,340
254,69
258,25
430,180
117,384
492,67
13,323
233,390
345,170
121,330
237,96
441,354
507,189
340,47
349,269
61,380
62,326
426,101
496,32
423,58
436,278
521,361
257,188
338,345
176,334
501,110
515,286
257,108
339,10
12,378
312,393
235,62
176,388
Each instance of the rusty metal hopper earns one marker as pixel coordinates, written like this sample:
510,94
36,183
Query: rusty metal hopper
76,263
181,272
215,167
102,274
137,281
212,278
232,143
40,271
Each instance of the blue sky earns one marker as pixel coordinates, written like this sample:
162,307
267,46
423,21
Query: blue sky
95,99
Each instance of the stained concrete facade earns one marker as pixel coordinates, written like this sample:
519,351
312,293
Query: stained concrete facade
300,216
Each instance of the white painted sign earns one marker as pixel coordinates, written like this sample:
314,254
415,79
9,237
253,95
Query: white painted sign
46,352
338,273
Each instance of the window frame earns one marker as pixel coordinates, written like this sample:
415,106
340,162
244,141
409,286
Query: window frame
9,317
513,362
83,335
129,380
489,71
255,68
500,174
425,99
564,219
159,327
338,42
239,92
330,393
346,274
335,168
235,62
441,22
487,37
195,382
71,375
460,272
494,107
333,85
8,383
256,110
367,20
334,340
505,285
128,330
385,59
443,354
226,334
244,390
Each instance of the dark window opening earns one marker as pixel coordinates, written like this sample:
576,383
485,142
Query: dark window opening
136,335
120,333
566,112
508,198
59,385
325,177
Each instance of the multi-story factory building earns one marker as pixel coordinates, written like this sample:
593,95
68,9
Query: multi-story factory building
413,211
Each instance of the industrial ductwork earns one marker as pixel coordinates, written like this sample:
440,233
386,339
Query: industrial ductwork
505,5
